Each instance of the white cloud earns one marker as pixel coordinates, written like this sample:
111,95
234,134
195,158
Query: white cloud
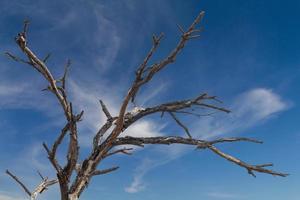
138,182
259,103
144,129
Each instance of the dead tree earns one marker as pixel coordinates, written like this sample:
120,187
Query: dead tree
108,140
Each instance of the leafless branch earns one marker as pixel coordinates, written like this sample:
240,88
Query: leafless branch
47,57
105,171
63,79
250,168
42,187
174,106
39,189
123,150
19,182
105,110
180,124
214,107
180,29
16,58
101,132
39,173
168,140
201,144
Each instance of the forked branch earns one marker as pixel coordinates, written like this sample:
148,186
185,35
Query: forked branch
38,190
250,168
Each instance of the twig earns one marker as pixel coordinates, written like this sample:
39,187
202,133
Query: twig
105,171
180,124
124,151
250,168
19,182
105,110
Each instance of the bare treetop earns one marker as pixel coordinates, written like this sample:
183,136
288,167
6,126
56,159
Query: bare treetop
74,177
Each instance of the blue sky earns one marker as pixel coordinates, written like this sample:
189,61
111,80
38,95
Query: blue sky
247,55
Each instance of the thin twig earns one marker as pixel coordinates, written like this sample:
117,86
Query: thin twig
180,124
19,182
105,171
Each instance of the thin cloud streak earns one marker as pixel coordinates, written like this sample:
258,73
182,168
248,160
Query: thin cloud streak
223,195
5,196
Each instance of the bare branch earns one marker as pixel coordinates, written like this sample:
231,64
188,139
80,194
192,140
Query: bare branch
195,114
105,110
194,36
265,165
42,187
220,140
168,140
59,139
39,189
214,107
101,132
105,127
174,106
105,171
139,81
201,144
180,28
25,27
250,168
142,68
16,58
47,57
63,79
41,67
72,155
180,124
52,159
19,182
124,151
39,173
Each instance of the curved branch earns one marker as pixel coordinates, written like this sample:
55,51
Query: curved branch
250,168
19,182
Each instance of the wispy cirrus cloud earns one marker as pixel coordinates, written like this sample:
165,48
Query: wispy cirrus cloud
5,196
223,195
138,183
